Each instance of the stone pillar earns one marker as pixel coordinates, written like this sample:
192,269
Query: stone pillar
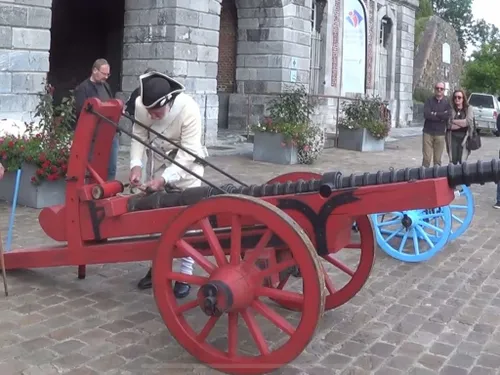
273,53
404,62
182,42
24,56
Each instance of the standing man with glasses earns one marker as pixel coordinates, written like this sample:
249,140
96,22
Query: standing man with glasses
96,87
437,112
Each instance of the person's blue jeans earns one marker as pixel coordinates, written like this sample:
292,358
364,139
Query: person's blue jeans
498,193
113,158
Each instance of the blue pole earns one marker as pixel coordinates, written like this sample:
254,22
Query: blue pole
13,211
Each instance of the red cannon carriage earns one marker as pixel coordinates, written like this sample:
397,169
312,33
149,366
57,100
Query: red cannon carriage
246,240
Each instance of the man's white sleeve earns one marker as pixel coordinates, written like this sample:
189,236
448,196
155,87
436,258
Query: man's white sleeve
137,149
191,141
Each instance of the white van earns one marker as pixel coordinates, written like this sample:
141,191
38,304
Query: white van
486,110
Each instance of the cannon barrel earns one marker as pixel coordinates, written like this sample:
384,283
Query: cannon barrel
467,174
479,172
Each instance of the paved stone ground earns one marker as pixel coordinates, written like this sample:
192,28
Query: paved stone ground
438,317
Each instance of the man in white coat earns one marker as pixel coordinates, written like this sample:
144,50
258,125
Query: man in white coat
163,106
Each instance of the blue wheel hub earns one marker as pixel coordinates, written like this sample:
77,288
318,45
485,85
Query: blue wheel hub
413,235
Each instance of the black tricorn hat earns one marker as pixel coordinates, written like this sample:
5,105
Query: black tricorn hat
158,89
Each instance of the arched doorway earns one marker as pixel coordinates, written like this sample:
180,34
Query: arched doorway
226,71
81,32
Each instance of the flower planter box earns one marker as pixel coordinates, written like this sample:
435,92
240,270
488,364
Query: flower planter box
270,148
359,140
48,193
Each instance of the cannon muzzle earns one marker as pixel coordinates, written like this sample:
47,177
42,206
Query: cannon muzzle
467,174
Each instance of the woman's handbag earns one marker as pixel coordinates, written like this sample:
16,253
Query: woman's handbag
474,140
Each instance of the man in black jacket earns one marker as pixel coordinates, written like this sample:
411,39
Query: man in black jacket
437,112
96,87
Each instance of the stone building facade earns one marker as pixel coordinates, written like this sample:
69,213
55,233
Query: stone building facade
232,55
438,57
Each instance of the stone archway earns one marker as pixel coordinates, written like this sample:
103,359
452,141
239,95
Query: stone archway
75,45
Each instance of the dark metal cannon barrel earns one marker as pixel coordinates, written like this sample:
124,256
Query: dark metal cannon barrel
480,172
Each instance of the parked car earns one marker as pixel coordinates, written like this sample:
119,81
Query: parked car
486,110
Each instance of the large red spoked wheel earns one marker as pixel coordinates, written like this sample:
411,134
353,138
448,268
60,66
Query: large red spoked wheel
346,270
235,287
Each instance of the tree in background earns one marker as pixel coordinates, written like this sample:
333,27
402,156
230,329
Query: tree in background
458,13
422,16
484,33
482,71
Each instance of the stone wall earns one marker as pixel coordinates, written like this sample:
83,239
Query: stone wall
403,112
429,65
274,40
183,42
24,55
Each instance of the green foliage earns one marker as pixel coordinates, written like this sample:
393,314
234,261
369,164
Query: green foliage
482,73
420,95
458,13
45,145
424,9
420,25
292,106
370,113
484,33
290,115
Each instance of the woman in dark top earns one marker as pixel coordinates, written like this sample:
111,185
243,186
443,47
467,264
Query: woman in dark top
460,127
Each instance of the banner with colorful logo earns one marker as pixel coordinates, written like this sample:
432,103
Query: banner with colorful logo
353,47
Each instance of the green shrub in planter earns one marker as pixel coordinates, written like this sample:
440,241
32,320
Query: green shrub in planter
289,116
365,125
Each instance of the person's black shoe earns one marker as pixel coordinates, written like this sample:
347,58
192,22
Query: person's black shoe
145,282
181,290
496,205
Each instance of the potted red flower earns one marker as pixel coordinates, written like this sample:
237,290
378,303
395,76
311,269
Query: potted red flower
41,153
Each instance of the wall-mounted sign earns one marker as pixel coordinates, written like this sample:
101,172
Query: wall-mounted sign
446,53
353,47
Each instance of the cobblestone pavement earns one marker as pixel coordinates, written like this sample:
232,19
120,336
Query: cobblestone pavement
438,317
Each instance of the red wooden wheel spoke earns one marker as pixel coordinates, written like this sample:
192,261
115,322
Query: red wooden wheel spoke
341,266
190,251
213,242
283,282
189,279
202,336
273,317
277,268
253,255
328,282
232,334
256,332
278,294
235,254
186,307
353,246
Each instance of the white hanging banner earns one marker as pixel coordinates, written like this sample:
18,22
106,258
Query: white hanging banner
353,47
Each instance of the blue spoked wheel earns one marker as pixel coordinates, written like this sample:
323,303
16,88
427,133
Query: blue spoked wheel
462,211
414,235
